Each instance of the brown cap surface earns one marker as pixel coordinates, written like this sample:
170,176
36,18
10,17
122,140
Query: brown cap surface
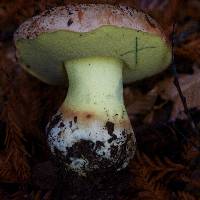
85,18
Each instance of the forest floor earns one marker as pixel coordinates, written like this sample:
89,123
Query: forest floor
167,163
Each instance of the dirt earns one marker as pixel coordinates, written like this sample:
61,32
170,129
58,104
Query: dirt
69,186
54,121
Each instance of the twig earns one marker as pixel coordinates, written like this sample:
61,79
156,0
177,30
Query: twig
177,85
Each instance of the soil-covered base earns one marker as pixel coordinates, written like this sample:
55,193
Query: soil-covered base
82,148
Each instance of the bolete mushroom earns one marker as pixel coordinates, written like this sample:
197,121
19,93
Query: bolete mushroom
93,45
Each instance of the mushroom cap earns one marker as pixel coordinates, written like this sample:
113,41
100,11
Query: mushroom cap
46,41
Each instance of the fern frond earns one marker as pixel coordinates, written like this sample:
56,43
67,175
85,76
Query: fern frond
14,163
40,195
148,187
158,169
186,196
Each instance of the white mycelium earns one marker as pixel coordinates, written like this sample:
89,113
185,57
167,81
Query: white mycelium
64,137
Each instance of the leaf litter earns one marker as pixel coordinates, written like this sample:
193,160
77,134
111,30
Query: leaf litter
167,164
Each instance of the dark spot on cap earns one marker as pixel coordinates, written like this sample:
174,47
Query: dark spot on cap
47,12
150,21
70,21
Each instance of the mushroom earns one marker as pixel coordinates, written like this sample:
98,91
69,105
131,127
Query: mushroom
98,47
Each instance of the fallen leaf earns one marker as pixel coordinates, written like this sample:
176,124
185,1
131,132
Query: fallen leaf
190,86
138,103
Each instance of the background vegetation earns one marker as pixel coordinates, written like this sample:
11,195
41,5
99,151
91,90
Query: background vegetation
167,164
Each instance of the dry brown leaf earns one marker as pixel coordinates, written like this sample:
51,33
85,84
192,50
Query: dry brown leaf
138,103
192,9
190,86
191,48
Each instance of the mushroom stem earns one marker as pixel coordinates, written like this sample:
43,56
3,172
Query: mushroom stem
92,128
95,86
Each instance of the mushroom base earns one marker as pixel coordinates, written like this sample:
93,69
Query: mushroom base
90,146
